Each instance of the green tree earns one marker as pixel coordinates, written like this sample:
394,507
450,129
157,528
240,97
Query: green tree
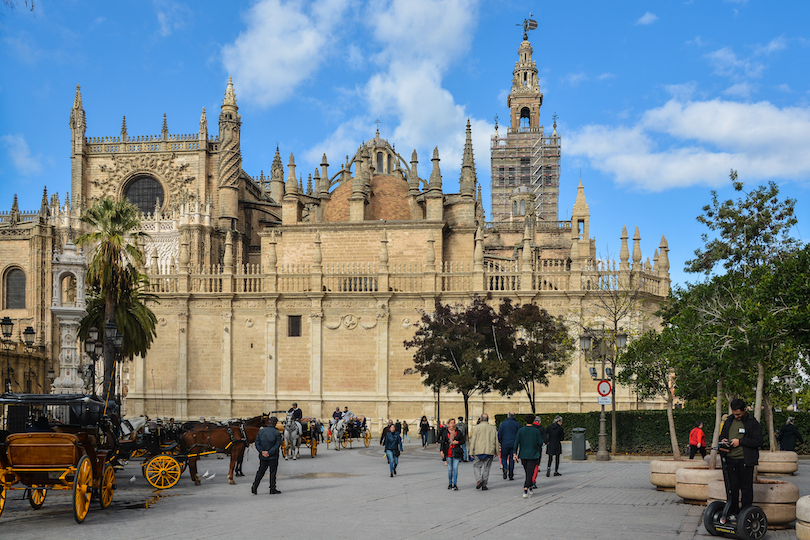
648,366
536,346
113,274
751,231
453,346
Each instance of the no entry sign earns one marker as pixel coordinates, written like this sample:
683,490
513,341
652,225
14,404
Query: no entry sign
603,387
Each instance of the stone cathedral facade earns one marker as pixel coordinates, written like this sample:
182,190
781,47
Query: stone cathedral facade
275,290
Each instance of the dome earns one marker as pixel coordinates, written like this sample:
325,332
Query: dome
388,201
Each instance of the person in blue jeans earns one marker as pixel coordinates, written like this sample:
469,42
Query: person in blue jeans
450,448
424,427
507,432
393,446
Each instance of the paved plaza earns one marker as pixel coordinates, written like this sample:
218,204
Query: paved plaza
349,494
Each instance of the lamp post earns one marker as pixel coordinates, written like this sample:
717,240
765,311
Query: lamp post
94,350
7,328
28,337
602,352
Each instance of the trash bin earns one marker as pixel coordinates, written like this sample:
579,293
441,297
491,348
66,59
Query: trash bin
578,443
431,436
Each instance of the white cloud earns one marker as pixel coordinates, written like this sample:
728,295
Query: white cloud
776,44
698,41
689,143
647,18
171,16
406,92
603,76
682,92
575,78
740,90
784,87
727,64
20,155
283,45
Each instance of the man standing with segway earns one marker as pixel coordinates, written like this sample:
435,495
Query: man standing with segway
743,434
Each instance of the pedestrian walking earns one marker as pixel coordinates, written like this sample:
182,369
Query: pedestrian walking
384,432
506,436
424,428
483,447
450,445
405,431
528,448
393,447
537,424
462,427
697,440
268,443
554,437
789,435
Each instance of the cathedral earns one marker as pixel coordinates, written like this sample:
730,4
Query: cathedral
273,289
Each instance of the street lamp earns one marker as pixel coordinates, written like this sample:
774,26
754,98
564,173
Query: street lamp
7,328
94,350
602,352
28,337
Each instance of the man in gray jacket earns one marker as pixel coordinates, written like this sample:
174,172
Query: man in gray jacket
483,447
268,443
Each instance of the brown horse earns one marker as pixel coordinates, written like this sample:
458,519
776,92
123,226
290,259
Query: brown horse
206,438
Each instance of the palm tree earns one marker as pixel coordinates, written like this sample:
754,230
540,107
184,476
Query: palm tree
115,282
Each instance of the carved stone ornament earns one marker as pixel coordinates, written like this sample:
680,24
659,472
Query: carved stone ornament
249,323
406,323
350,321
334,326
369,326
159,165
161,321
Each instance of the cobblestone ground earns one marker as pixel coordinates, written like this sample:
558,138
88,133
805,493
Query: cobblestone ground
349,494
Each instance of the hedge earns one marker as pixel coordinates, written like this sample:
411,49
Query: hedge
647,432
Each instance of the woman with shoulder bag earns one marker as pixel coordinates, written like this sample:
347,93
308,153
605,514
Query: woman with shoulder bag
393,447
450,449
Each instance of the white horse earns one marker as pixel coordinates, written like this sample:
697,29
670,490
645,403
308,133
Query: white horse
338,430
292,437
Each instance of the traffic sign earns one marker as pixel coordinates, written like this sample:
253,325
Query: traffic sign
603,387
604,400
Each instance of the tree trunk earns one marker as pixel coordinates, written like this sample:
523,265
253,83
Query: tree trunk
718,418
467,413
769,421
673,436
760,386
109,349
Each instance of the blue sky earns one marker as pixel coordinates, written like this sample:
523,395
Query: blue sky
656,100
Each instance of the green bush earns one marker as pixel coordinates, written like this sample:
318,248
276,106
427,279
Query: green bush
647,432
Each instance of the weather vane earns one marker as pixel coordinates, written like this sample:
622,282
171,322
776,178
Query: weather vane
528,24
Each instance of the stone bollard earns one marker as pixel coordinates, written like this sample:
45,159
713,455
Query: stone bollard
803,518
776,498
662,471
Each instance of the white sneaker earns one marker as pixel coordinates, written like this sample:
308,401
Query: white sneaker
525,494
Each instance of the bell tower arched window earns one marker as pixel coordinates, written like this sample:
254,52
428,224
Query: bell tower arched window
143,191
525,117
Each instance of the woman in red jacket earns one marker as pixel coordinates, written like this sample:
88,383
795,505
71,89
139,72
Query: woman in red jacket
697,440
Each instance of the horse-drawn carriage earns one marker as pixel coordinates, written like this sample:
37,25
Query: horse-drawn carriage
309,435
345,430
56,442
158,443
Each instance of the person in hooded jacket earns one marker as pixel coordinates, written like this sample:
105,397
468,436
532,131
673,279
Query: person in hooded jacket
789,435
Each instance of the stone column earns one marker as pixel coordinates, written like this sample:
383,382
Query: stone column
316,356
181,408
68,381
271,355
227,358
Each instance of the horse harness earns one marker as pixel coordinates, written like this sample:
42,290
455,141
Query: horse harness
209,448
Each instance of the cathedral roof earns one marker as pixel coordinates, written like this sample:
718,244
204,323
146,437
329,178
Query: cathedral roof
388,200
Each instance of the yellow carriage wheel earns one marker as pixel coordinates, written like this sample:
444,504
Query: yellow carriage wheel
162,471
36,497
367,438
82,489
107,486
2,497
313,450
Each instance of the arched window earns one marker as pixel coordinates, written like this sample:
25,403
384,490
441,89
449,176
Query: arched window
379,163
514,208
522,208
15,289
143,191
525,117
390,165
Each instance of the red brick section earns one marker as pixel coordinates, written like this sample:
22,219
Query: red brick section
388,200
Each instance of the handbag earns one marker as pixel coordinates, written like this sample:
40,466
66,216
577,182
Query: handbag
396,452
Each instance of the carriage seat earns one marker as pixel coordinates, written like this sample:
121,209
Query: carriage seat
43,450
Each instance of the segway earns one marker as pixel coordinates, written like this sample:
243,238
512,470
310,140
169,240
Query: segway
750,524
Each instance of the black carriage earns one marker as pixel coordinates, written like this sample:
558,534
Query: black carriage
158,443
310,435
356,429
54,442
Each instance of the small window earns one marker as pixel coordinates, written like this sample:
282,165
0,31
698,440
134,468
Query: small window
15,289
522,208
294,326
379,163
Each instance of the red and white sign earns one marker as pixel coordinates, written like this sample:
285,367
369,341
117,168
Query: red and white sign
603,388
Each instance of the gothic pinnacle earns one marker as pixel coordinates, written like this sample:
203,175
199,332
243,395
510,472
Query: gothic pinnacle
230,97
165,128
124,126
77,101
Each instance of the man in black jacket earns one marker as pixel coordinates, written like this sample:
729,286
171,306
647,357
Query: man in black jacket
268,443
743,434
